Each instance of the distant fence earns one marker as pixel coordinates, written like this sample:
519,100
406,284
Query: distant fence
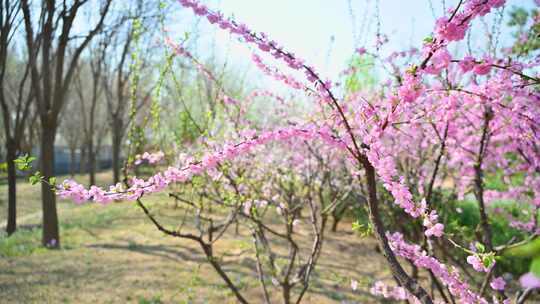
63,161
63,165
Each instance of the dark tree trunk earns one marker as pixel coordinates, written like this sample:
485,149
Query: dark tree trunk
397,270
210,257
335,224
116,148
12,192
91,162
51,237
72,161
337,215
82,161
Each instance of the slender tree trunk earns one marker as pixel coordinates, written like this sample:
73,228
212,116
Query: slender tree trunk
209,255
91,162
51,237
397,270
335,224
286,294
72,161
116,148
479,181
479,194
12,190
82,160
337,215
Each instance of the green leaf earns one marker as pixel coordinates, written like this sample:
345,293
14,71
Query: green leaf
24,162
428,39
35,178
364,230
412,69
356,226
488,260
52,180
480,247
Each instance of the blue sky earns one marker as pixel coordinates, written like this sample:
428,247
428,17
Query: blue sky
321,31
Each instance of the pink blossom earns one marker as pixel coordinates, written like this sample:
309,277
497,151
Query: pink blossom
477,263
466,64
152,158
482,68
451,31
411,88
72,190
498,283
529,280
392,292
448,276
437,230
361,51
439,61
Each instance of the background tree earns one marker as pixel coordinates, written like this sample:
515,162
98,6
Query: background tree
139,19
15,99
71,129
54,49
88,86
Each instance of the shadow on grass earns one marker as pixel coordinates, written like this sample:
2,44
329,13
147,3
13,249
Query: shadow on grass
245,267
180,254
162,251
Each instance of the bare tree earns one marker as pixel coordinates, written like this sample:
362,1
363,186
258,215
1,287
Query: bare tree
88,85
54,49
71,129
120,72
117,92
15,100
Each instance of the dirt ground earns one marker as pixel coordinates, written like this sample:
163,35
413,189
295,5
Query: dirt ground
113,254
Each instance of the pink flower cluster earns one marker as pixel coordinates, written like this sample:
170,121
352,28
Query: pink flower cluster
440,60
529,280
454,27
274,73
76,192
385,167
151,158
524,226
476,262
448,276
397,293
411,88
498,283
434,228
138,187
481,67
227,100
265,93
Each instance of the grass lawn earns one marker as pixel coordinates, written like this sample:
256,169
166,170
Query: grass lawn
113,254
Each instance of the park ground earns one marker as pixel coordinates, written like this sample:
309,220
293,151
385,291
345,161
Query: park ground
113,254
